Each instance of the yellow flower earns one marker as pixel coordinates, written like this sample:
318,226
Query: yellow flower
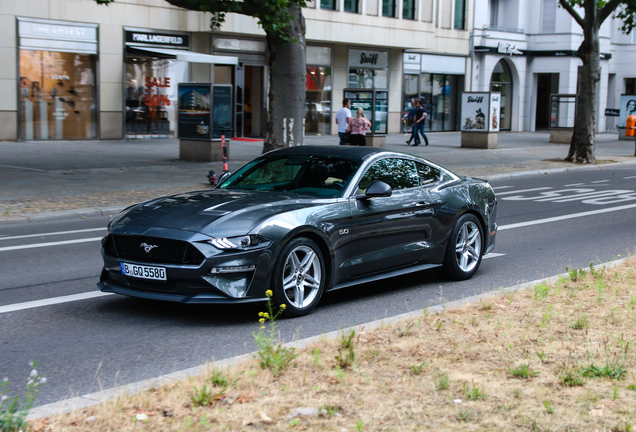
283,306
262,320
260,314
265,315
269,293
262,327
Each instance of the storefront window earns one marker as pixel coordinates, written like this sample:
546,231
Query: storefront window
410,93
439,95
151,94
57,95
368,78
501,81
318,100
318,90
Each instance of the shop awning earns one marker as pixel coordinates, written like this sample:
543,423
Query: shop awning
188,56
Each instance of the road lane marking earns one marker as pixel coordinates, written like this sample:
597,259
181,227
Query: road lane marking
630,177
502,187
51,301
565,217
524,190
24,168
600,181
39,245
52,233
574,184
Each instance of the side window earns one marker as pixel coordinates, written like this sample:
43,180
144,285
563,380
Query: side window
427,174
397,173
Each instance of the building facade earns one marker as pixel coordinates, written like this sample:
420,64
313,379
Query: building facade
526,50
77,70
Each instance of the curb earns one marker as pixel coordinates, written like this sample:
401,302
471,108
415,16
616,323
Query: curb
109,211
96,398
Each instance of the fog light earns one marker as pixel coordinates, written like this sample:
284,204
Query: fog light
233,269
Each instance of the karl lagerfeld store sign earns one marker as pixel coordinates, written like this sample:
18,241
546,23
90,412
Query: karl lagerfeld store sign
368,59
154,39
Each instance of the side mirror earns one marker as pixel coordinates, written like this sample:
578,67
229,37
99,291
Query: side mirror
377,189
222,178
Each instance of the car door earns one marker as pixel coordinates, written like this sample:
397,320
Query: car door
385,231
430,200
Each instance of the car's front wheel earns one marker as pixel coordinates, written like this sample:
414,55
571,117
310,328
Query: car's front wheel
464,250
299,277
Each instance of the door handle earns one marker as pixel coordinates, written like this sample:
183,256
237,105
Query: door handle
422,204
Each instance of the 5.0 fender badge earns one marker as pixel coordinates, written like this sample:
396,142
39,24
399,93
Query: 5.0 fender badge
344,231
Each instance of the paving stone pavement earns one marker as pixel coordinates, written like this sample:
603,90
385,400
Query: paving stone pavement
70,179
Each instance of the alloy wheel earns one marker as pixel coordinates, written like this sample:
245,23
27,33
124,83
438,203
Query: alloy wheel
302,276
468,246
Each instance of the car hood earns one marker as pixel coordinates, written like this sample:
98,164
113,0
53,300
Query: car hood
216,212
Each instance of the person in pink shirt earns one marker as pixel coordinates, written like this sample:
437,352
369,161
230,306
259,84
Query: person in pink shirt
358,127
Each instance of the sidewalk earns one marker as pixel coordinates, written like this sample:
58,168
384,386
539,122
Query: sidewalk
65,179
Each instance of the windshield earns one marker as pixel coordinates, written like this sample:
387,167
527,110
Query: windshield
323,176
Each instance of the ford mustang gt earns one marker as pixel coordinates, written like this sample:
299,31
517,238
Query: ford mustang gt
299,222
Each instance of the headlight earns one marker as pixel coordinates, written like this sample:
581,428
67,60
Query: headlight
239,243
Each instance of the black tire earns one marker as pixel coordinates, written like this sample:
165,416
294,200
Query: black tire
464,251
305,278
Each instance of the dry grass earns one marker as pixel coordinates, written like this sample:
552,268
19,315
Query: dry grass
508,363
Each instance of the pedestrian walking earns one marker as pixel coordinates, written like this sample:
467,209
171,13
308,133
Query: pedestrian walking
410,119
419,124
343,117
358,128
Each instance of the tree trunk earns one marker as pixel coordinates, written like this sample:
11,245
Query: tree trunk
582,144
287,71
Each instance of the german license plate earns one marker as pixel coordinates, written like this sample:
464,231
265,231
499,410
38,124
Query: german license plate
144,272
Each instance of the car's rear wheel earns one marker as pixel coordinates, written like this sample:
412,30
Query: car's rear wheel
299,277
464,250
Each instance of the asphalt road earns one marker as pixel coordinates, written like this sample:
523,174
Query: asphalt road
546,223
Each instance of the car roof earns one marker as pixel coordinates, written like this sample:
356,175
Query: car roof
357,152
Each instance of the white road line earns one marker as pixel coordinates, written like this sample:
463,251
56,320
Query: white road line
565,217
24,168
600,181
493,255
52,233
39,245
523,190
502,187
574,184
630,177
51,301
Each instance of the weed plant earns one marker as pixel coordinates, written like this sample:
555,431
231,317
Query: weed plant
522,371
14,409
346,354
273,355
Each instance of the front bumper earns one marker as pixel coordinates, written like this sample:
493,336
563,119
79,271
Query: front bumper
197,283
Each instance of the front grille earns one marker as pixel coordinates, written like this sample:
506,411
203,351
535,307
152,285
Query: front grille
160,250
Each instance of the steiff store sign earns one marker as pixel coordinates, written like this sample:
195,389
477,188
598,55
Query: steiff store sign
368,59
152,38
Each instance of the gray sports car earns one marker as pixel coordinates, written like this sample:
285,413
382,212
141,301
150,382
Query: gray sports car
301,221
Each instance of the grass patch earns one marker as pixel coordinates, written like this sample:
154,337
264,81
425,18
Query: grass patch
516,362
